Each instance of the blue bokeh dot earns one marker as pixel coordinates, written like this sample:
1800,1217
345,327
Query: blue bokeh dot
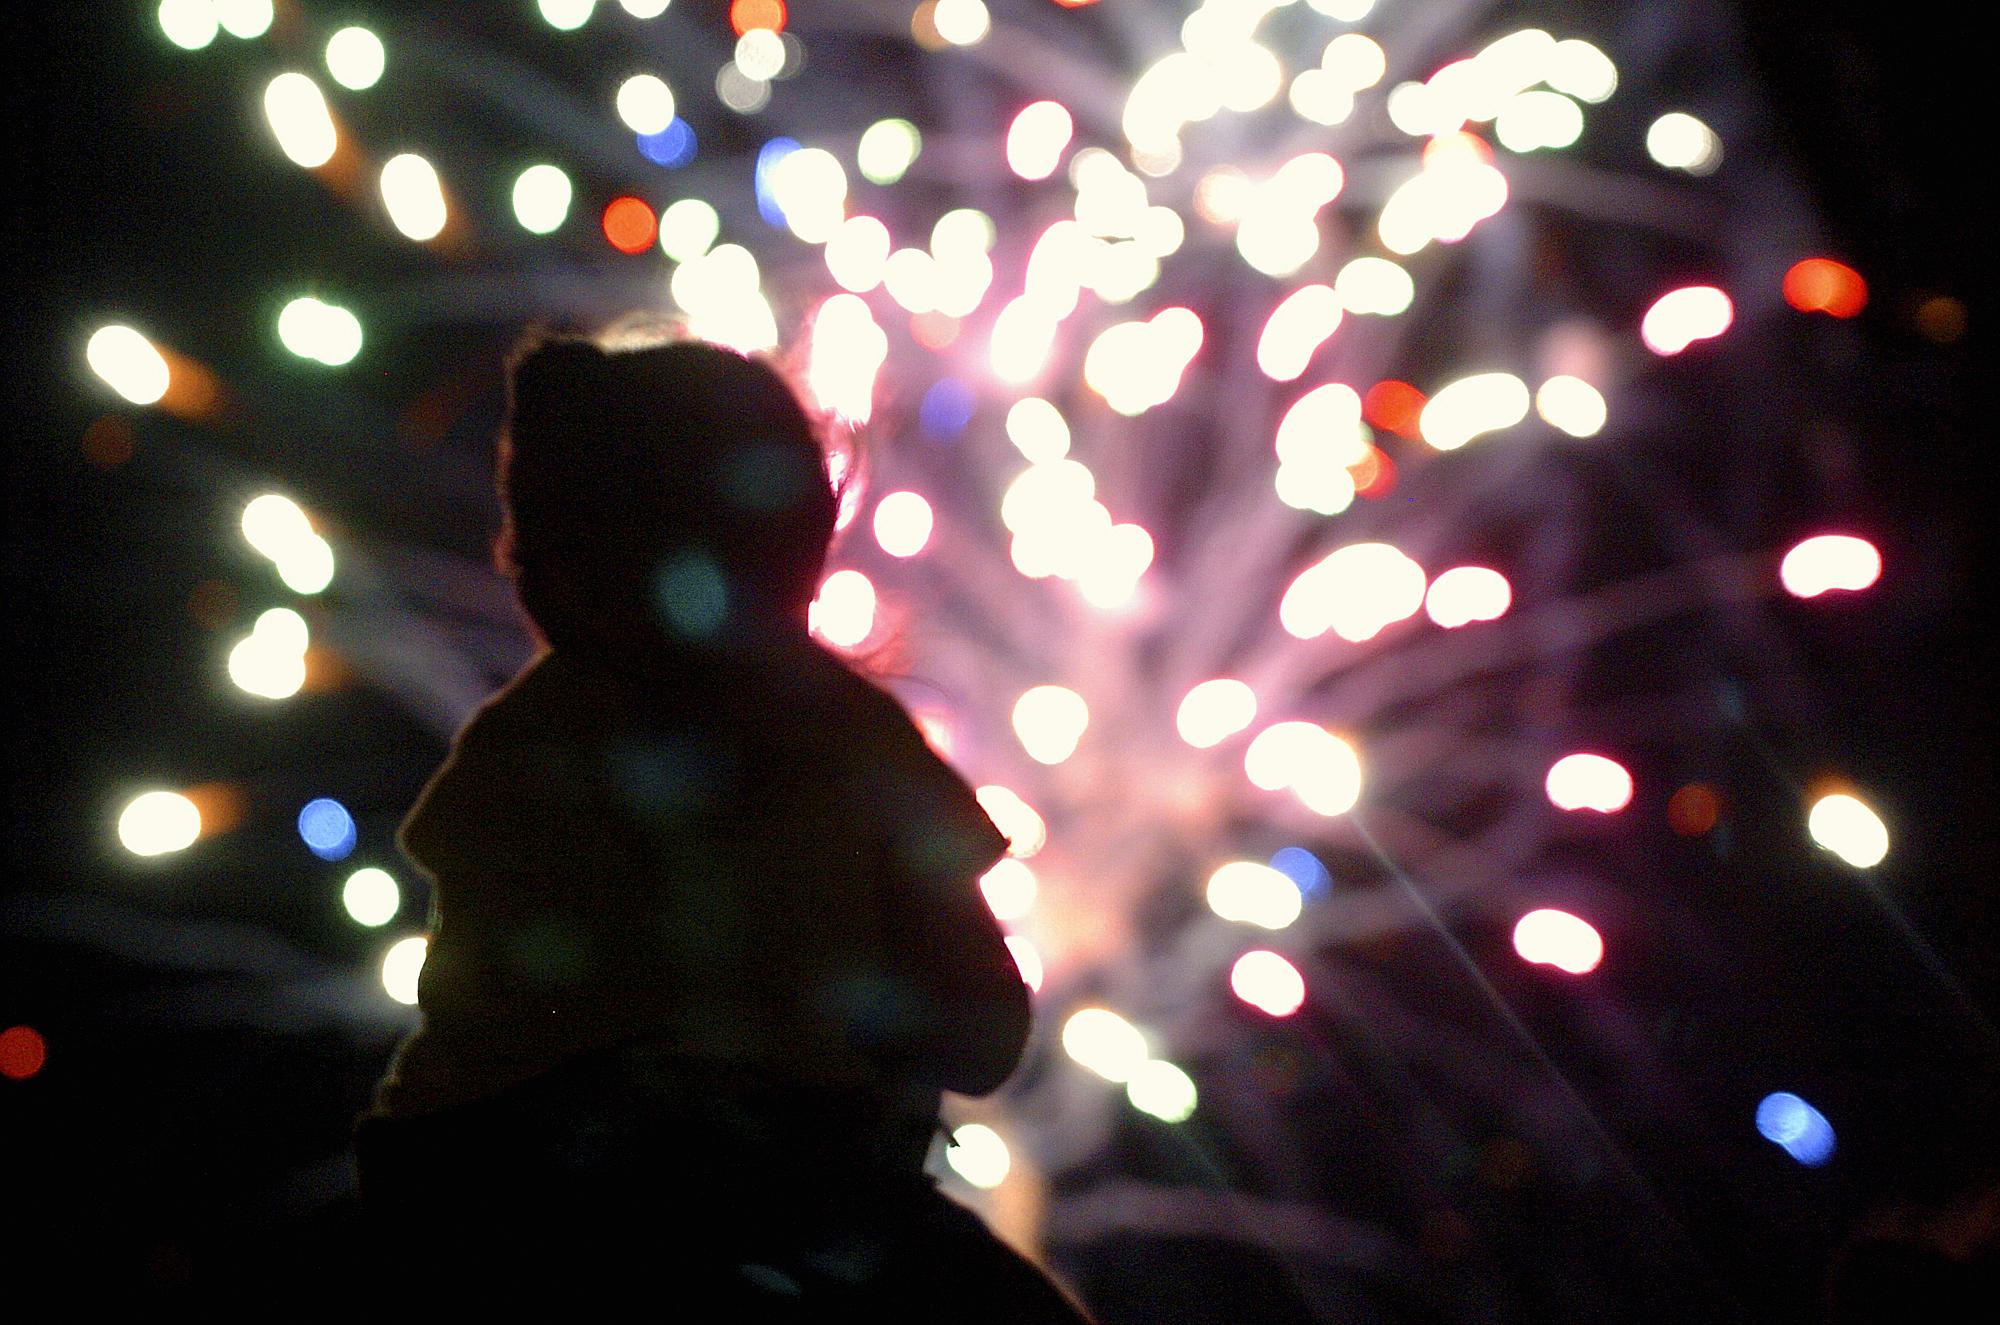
947,407
1303,868
670,147
327,829
768,156
1796,1127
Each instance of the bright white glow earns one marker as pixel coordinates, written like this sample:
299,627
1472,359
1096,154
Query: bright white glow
1324,423
1589,782
960,278
903,524
1323,770
846,355
371,897
403,964
963,230
541,199
844,612
1355,61
307,567
1247,76
1037,138
1318,96
1315,484
1374,285
158,822
1162,1090
275,525
1026,960
1534,120
645,103
1026,833
1009,889
1827,562
1106,1043
887,149
1138,365
319,331
961,22
247,19
1455,191
1254,894
566,15
911,277
1355,591
1347,11
1465,594
857,253
128,363
687,228
1849,829
299,118
760,54
720,292
1679,318
1214,711
1580,69
1679,141
1556,938
1297,327
1268,983
1278,232
188,24
413,195
1571,404
1471,407
978,1155
270,662
1038,430
1049,721
644,8
810,187
355,58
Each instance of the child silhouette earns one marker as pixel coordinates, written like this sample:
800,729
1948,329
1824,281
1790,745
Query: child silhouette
707,940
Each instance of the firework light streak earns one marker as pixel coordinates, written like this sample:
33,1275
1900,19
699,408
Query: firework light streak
1138,474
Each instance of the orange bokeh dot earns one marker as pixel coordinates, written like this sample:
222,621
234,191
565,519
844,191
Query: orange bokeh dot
1373,474
630,225
1394,406
934,331
1821,285
22,1052
1694,809
746,15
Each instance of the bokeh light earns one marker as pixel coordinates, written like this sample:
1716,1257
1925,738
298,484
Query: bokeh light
978,1155
1679,318
403,967
1826,562
413,196
1821,285
1549,937
541,198
355,58
1795,1127
155,823
1106,1043
327,829
1589,782
371,897
1162,1090
297,113
1254,894
128,363
1268,983
1844,825
23,1053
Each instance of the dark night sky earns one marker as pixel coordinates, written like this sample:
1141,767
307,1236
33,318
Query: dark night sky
1879,110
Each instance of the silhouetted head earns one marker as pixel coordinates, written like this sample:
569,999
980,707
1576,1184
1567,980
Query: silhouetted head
678,489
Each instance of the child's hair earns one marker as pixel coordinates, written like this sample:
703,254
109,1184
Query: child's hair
617,464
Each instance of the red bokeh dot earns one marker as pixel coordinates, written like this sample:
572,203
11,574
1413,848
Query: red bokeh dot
1374,474
1394,407
1694,809
746,15
1821,285
22,1052
630,225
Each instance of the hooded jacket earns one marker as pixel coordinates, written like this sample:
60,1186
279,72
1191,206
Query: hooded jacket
761,865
